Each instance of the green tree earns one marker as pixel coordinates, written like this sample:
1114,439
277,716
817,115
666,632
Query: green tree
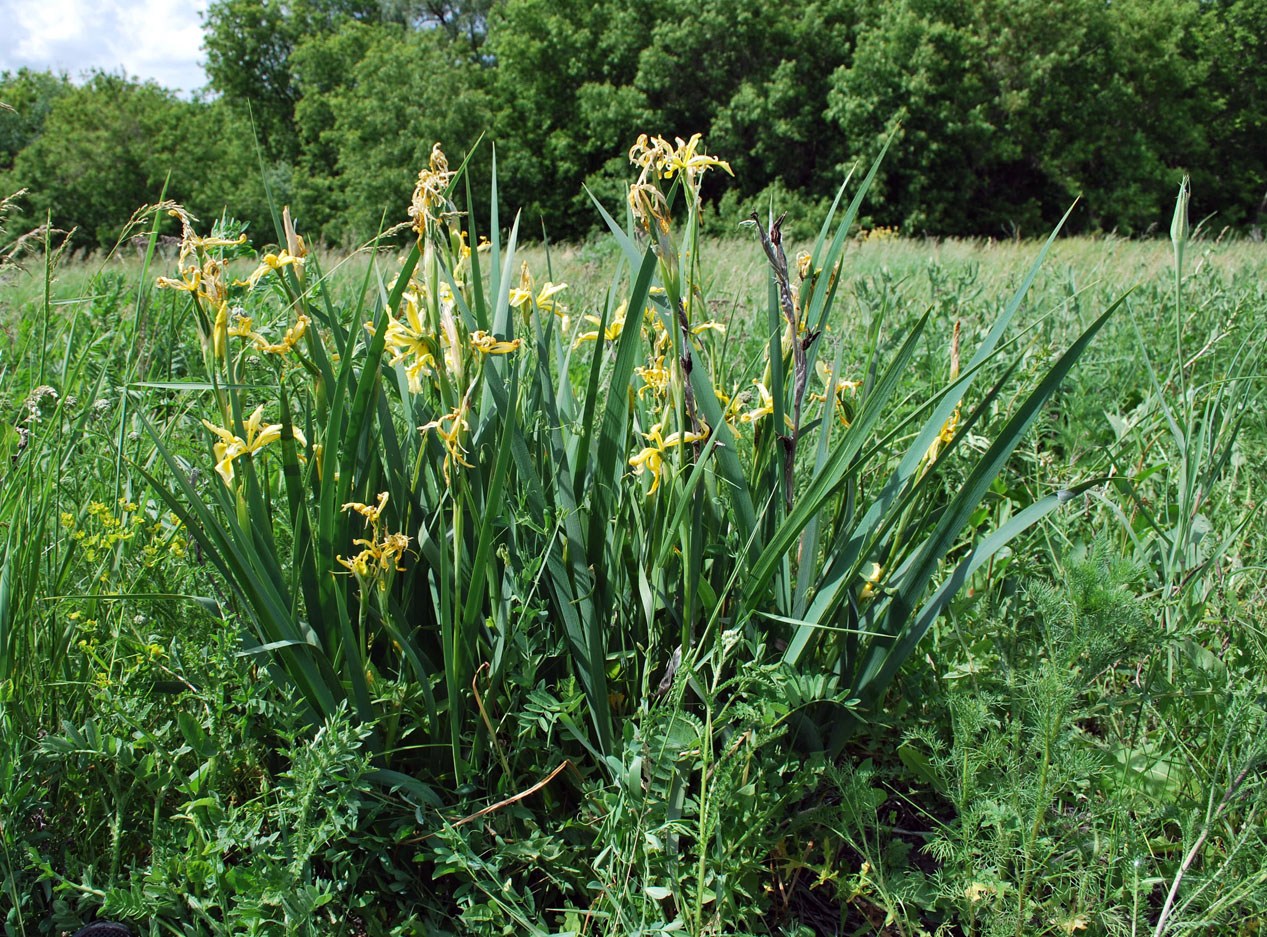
113,145
95,161
773,125
1233,46
407,92
563,77
323,66
30,95
1010,109
249,45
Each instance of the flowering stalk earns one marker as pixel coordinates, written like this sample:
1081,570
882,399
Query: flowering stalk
772,244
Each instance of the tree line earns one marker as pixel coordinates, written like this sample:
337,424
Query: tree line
1002,112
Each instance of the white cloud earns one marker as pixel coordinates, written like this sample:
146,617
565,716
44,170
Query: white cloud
148,39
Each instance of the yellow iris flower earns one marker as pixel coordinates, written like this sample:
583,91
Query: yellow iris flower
413,345
231,446
871,581
612,332
271,262
655,377
766,408
651,458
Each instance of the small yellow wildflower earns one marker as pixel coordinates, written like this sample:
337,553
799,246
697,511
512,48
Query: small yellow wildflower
978,891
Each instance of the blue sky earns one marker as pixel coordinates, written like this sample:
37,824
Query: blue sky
154,39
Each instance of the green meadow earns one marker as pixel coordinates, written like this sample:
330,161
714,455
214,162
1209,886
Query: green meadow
655,583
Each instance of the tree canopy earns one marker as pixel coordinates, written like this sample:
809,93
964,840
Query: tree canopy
1005,111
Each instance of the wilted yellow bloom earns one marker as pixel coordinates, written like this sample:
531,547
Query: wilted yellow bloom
648,204
220,331
377,555
650,154
482,342
294,243
430,203
449,429
289,340
192,279
370,512
231,446
449,336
